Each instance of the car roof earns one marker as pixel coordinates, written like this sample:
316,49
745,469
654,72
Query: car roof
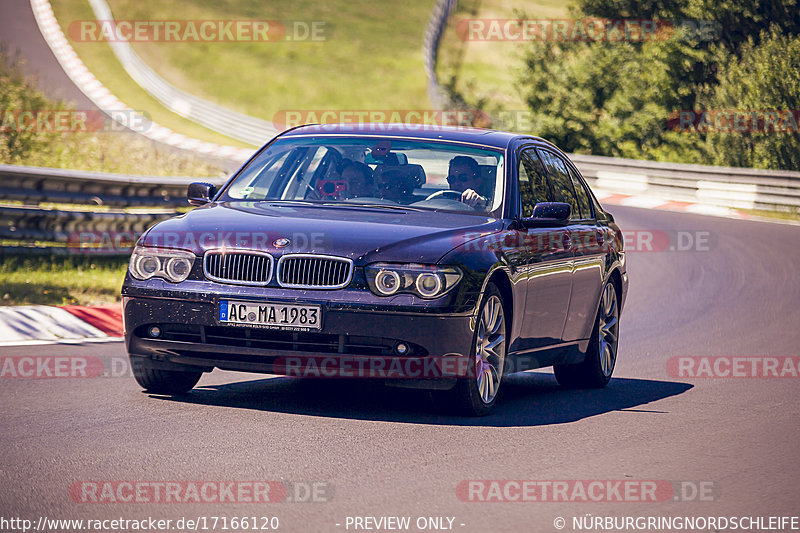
493,138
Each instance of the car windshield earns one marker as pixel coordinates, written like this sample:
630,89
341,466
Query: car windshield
374,171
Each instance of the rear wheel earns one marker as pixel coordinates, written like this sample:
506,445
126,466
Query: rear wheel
601,356
162,381
476,394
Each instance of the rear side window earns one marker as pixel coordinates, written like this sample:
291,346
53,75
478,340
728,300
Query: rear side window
561,182
581,194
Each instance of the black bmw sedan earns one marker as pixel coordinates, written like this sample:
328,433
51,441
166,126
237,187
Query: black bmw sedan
427,257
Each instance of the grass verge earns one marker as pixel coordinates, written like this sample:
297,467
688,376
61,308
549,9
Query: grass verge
486,73
370,59
60,280
118,153
779,215
102,62
122,152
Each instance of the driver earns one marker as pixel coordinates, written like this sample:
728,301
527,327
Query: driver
464,176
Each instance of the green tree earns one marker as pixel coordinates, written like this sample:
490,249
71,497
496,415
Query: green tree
614,98
765,78
736,21
617,98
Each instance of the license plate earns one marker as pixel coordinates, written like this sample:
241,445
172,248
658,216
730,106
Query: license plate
283,316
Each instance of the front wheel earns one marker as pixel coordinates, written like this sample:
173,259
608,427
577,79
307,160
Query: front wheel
476,394
162,381
601,356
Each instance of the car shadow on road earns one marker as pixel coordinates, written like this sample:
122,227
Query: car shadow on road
528,399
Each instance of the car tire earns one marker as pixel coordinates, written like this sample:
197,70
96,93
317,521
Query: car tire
476,395
601,356
162,381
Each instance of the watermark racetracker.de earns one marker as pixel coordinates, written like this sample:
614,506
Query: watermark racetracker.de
586,491
586,30
643,240
115,242
192,31
733,367
199,491
73,121
738,121
63,367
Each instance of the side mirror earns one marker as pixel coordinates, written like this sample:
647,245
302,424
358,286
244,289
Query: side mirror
200,193
548,214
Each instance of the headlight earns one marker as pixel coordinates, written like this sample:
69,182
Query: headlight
429,284
172,265
387,282
426,281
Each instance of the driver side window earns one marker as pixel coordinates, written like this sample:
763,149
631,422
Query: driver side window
561,182
532,183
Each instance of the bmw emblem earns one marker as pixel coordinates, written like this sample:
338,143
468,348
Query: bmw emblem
281,243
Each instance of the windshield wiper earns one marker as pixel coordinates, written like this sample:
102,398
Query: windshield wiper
380,206
347,205
293,202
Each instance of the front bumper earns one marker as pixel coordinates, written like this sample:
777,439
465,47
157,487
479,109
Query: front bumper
354,341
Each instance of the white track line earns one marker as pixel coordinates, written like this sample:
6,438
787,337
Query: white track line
107,102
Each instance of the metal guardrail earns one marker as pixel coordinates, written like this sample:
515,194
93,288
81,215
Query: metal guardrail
35,185
82,202
103,202
731,187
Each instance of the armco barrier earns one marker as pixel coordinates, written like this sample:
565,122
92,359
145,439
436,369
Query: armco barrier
738,188
97,201
35,185
53,205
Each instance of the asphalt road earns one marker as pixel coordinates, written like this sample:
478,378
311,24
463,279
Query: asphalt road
20,34
390,452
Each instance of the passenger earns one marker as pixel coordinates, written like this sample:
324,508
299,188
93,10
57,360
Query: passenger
359,179
464,176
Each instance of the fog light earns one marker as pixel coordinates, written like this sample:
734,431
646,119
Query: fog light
154,331
401,348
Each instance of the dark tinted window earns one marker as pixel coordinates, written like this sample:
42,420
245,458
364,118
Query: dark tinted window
561,182
329,168
532,183
581,194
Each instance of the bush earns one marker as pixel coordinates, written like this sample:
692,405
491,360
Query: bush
19,94
123,152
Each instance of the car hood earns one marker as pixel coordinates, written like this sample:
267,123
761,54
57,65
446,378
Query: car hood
362,233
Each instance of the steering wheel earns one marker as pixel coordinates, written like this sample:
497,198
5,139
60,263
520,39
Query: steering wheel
454,195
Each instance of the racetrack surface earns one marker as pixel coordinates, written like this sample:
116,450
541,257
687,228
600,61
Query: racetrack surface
20,34
391,452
